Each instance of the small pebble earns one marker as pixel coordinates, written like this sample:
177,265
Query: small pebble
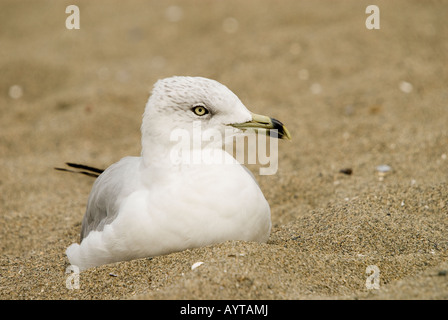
15,91
406,87
347,171
382,171
316,88
383,168
174,13
196,264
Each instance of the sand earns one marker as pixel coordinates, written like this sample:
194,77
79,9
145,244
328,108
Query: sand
352,98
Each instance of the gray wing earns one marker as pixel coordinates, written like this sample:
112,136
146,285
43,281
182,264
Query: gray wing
107,192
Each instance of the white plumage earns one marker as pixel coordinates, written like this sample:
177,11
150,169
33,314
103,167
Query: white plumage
150,205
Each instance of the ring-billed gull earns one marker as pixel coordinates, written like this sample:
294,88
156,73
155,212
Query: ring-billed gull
151,205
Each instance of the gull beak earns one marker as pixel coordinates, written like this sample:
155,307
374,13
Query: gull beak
266,124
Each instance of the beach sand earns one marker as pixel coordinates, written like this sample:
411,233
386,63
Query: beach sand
352,98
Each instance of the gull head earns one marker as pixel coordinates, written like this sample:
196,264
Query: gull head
185,103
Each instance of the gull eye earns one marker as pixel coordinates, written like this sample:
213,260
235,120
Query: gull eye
200,110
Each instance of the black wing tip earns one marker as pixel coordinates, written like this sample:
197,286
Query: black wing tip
86,170
84,167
